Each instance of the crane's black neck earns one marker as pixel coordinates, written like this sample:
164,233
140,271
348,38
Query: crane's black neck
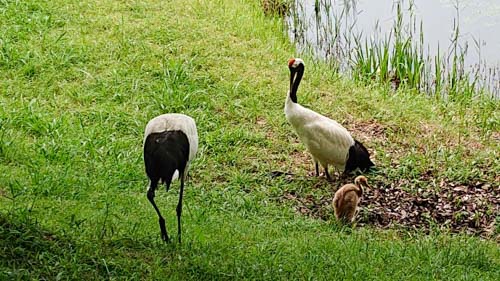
295,77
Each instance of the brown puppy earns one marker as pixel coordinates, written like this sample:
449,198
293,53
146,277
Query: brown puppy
347,198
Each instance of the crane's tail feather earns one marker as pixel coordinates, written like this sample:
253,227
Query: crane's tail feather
175,175
359,157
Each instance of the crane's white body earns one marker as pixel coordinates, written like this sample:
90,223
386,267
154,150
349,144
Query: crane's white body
175,122
326,140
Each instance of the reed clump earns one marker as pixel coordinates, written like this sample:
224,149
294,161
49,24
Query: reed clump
400,58
276,7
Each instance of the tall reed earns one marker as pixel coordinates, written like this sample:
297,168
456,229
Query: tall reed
400,58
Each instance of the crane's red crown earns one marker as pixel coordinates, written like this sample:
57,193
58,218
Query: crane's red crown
291,62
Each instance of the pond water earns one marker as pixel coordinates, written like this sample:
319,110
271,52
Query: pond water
331,28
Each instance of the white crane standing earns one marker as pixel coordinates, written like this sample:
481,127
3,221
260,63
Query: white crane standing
328,142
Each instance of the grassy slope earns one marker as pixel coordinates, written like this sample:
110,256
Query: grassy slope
78,82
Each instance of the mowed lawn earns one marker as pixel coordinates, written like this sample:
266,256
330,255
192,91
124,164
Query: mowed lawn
80,79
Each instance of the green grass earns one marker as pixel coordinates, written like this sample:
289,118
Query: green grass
79,81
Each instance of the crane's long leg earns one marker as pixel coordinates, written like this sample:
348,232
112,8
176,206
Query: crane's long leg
328,177
161,220
317,168
179,206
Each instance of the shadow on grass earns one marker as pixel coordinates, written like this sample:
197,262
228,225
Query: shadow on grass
27,249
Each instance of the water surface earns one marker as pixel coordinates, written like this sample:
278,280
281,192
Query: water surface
329,28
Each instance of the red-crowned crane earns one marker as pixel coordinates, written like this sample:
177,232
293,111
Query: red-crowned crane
346,200
170,144
328,142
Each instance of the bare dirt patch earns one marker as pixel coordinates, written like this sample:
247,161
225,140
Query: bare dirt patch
422,203
472,208
368,130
